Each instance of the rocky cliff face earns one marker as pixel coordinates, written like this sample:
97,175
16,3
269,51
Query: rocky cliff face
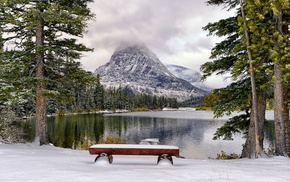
137,69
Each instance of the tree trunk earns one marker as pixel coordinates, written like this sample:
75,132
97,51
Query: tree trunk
286,119
280,136
41,135
280,143
258,151
250,145
285,30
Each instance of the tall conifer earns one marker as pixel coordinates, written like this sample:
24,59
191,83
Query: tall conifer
45,22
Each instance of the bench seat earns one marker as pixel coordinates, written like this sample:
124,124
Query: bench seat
163,151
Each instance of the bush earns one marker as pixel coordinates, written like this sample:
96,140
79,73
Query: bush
112,140
270,151
60,112
225,156
10,132
139,109
204,108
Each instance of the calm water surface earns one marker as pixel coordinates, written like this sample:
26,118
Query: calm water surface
192,131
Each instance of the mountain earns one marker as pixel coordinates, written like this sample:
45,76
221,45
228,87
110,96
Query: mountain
137,69
189,75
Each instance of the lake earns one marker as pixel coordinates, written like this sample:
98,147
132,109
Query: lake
192,131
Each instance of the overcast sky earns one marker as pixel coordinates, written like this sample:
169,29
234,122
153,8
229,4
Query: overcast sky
172,29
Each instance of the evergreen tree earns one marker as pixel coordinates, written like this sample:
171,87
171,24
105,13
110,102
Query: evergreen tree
44,22
258,147
280,10
230,56
99,95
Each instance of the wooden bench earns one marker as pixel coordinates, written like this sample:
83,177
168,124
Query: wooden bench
108,150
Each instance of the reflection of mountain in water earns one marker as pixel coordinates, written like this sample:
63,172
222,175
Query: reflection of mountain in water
192,136
169,131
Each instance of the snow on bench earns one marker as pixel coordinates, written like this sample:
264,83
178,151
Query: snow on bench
108,150
150,141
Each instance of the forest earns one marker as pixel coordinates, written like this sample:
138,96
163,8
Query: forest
40,73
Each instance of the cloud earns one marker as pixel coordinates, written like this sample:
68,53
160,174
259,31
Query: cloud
172,29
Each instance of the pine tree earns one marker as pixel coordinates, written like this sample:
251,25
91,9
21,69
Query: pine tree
258,148
99,94
230,56
44,21
279,57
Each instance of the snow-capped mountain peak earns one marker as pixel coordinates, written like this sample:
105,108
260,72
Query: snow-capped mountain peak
136,67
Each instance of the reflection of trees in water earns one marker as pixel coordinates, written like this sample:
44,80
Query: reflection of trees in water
167,130
269,135
77,132
81,131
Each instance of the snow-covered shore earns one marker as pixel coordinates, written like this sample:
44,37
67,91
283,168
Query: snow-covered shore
28,162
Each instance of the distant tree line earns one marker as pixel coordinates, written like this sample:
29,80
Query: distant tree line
80,91
97,98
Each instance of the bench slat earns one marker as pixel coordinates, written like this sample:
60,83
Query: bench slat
124,149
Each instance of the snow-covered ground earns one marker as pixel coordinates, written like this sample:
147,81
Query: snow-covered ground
28,162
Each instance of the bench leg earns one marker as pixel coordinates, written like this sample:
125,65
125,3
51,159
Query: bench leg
108,156
164,156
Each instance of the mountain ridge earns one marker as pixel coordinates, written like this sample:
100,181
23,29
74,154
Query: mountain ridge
193,77
138,69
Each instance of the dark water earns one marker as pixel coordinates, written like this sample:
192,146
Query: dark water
192,131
